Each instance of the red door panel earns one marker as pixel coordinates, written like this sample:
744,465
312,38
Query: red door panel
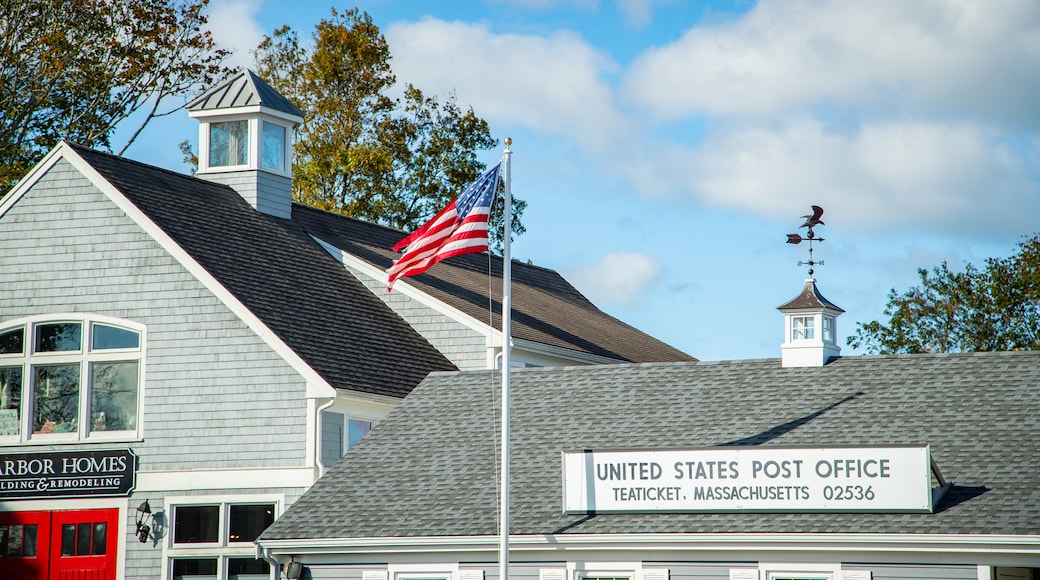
83,544
24,545
60,545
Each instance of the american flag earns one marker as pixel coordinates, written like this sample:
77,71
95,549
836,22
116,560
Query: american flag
460,228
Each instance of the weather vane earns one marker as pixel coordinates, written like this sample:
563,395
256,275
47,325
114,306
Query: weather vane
812,220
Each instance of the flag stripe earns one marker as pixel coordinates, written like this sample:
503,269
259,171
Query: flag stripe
460,228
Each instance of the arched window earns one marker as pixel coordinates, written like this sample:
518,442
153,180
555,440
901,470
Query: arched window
70,378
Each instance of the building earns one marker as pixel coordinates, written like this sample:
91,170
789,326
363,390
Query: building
809,466
181,357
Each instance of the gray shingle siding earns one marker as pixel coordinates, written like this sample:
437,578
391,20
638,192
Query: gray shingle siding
460,344
210,382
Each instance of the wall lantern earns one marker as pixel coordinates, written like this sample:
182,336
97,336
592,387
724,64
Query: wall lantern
292,570
144,519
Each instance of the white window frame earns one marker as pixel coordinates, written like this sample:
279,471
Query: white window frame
828,328
423,571
808,326
590,570
346,430
204,137
254,141
787,571
85,357
790,571
287,144
222,550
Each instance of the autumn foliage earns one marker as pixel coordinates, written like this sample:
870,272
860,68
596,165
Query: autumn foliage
75,69
369,147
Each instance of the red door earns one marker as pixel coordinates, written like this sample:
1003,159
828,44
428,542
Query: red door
24,545
60,545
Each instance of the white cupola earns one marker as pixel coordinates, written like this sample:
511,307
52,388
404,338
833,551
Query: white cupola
245,141
810,329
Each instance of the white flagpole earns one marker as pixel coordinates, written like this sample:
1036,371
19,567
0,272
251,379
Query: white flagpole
507,339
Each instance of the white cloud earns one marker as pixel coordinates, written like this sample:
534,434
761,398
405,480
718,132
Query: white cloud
928,56
618,278
895,115
233,24
552,85
892,174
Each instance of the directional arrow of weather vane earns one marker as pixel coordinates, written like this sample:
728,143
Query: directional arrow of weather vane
812,220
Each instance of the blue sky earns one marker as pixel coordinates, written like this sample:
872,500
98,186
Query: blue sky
665,148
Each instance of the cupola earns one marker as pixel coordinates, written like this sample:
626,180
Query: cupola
245,141
810,329
810,320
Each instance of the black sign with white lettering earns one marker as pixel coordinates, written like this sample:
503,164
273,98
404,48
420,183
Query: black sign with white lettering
67,474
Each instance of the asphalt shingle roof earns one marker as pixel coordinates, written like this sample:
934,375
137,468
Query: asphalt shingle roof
326,315
320,310
429,469
546,308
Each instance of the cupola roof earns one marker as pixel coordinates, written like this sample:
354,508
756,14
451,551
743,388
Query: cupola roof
810,298
244,89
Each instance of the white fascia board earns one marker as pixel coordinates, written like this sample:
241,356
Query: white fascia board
317,386
744,543
532,347
402,286
375,405
250,110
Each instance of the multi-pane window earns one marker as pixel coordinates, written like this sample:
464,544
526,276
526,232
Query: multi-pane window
828,329
215,540
69,379
802,328
84,539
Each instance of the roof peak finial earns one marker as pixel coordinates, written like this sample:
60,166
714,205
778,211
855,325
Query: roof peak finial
811,220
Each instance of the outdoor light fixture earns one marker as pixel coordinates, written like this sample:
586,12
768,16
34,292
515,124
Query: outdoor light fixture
144,517
292,570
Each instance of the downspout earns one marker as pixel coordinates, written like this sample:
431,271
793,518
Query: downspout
317,437
265,554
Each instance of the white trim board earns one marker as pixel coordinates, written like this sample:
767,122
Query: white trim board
216,479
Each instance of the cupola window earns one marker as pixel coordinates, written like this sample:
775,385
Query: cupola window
228,143
802,328
272,146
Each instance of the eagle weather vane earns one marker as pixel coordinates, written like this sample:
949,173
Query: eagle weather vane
812,220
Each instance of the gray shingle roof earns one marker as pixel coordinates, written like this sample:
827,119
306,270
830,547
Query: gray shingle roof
546,308
321,311
429,469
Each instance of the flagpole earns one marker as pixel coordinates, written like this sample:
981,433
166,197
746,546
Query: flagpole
507,271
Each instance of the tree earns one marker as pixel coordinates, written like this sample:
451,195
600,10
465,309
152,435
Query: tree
75,69
990,309
361,152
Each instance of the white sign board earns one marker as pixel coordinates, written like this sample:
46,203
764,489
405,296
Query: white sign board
763,479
